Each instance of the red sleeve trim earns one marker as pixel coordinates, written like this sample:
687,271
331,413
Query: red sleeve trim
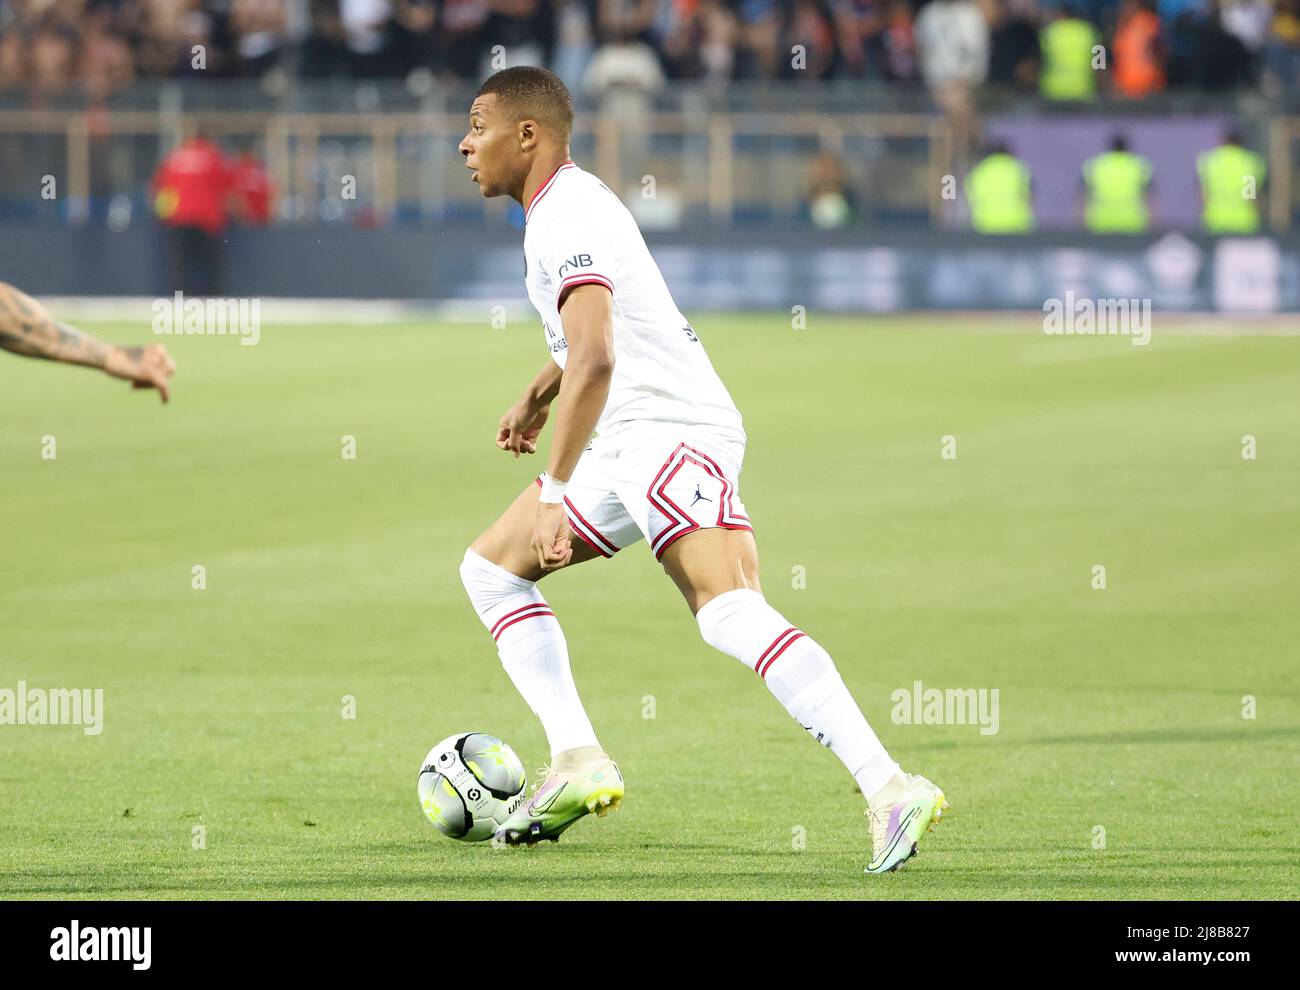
573,281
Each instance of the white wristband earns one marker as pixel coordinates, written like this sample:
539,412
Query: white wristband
552,490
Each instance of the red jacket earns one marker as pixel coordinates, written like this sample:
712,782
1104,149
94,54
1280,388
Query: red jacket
252,187
192,185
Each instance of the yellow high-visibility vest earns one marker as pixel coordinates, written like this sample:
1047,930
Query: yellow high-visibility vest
1116,184
997,190
1230,181
1067,60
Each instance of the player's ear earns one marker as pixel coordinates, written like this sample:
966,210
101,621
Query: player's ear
528,135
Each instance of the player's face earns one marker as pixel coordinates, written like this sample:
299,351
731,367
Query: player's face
490,147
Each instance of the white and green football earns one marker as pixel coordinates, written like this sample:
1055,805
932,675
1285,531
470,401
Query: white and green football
470,783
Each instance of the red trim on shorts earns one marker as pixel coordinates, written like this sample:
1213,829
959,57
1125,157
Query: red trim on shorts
729,489
656,488
533,610
587,540
594,531
768,666
726,510
599,536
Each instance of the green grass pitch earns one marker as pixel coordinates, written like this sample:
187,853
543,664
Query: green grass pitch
1122,766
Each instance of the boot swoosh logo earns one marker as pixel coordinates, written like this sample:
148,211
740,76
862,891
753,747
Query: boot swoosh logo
537,807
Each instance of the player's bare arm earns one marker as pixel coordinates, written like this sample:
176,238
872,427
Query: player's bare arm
584,389
27,328
522,423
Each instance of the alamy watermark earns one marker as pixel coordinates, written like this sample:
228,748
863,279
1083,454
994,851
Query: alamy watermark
919,705
209,315
102,944
1085,316
57,706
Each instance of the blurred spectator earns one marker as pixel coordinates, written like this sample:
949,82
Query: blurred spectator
410,36
999,191
1171,10
1225,61
626,18
829,200
1013,47
1231,180
107,63
458,37
952,40
684,37
1283,45
259,27
625,74
720,30
900,42
191,191
860,35
365,24
323,54
56,48
809,28
52,48
1117,186
1248,21
1067,43
1137,53
575,38
525,30
758,54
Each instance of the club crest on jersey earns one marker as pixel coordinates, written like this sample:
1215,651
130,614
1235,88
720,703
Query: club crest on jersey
577,261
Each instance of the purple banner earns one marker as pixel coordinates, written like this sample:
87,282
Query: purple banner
1055,150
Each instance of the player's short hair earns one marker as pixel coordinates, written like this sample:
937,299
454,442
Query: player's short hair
527,91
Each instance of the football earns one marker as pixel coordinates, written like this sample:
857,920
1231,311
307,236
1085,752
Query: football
470,783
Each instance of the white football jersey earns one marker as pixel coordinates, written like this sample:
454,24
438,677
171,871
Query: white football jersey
578,232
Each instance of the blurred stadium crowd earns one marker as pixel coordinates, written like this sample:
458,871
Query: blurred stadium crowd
98,47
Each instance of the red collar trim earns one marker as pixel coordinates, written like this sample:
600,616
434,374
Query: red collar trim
545,186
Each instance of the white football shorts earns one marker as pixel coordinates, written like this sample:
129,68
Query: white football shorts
657,480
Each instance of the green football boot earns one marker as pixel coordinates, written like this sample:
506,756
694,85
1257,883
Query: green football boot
581,781
903,811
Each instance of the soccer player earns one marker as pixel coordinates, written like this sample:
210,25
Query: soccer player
27,328
664,465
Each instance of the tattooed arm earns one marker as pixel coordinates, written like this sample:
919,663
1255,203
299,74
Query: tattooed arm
27,328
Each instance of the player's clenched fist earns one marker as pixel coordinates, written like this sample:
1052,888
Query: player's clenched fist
552,540
144,367
520,427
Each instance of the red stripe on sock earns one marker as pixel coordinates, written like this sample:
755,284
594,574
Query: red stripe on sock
530,615
497,624
768,666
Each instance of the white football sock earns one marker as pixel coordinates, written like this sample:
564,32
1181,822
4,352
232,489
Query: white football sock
532,649
803,677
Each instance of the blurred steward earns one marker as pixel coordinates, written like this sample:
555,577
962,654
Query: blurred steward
1231,178
1067,43
1117,186
191,191
251,189
999,191
1138,54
